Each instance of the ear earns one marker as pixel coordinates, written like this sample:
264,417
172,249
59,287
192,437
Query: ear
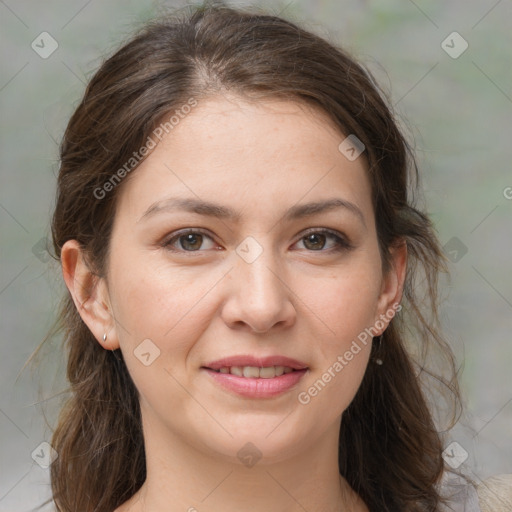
89,293
392,286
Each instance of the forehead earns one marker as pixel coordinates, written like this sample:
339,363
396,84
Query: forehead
249,154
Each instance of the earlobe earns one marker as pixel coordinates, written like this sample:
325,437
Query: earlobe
89,293
393,284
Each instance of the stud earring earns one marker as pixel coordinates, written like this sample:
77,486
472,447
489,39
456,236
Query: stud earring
104,336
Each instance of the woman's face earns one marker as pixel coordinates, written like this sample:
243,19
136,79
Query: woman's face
256,277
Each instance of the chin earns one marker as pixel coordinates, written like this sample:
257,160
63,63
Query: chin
268,442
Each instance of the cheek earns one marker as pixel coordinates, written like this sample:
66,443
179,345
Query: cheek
160,313
153,301
342,349
344,303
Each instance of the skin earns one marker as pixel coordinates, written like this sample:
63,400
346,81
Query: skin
299,299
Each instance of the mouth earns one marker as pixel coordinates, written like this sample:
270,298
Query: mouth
254,372
250,377
247,365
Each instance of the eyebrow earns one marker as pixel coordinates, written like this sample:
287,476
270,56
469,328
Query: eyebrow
200,207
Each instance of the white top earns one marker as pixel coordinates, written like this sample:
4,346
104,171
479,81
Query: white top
493,495
463,496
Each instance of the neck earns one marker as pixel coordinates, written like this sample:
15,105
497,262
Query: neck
181,477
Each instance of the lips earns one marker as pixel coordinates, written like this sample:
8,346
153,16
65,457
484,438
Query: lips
256,377
259,362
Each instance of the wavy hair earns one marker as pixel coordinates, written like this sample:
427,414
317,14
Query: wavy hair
390,449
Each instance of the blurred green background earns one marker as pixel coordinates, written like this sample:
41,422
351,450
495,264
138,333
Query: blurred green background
457,110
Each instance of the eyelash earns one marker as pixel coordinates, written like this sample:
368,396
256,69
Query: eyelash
342,244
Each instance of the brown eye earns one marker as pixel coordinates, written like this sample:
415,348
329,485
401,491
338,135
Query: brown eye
316,241
189,241
192,241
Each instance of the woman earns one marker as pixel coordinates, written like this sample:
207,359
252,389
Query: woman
249,280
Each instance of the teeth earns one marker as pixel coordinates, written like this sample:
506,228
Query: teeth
267,373
236,370
253,372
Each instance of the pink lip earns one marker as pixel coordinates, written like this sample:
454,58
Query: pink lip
260,362
257,387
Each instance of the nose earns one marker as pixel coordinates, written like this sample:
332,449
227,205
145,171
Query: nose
259,296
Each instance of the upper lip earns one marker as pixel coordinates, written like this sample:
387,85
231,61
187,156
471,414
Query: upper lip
260,362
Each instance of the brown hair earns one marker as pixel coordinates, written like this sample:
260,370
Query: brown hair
390,451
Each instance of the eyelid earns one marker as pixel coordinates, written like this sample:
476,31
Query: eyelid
175,235
343,242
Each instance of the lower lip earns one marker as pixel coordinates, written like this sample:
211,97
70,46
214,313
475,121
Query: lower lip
257,388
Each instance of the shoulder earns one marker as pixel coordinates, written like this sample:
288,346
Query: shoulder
495,494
